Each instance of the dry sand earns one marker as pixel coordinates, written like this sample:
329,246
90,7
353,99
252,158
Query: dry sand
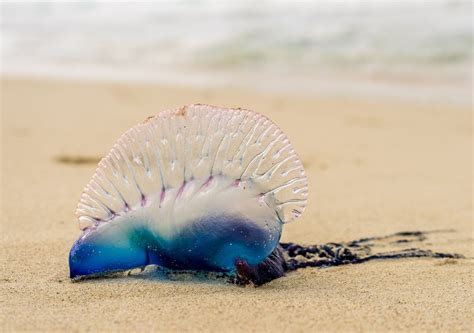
374,168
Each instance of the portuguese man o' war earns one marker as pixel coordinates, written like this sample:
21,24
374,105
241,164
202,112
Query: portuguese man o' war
196,188
203,188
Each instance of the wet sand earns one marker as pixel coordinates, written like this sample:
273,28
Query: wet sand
374,168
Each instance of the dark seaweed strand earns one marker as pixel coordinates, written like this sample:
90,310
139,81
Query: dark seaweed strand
291,256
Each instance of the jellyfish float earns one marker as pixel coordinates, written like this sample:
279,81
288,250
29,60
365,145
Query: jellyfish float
196,188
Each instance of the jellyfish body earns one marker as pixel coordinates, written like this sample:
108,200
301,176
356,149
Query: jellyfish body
196,188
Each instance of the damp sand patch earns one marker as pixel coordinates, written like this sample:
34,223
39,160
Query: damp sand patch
77,159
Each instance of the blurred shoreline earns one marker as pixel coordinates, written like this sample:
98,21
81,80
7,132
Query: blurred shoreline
415,51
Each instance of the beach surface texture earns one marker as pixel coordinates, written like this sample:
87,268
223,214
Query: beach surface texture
374,168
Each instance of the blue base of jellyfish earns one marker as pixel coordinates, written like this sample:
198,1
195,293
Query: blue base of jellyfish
214,244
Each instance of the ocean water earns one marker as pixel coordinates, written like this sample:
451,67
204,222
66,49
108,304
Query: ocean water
403,49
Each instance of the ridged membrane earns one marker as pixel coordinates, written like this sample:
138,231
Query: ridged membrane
195,144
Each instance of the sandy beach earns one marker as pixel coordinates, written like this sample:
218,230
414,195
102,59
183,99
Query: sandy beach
374,168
